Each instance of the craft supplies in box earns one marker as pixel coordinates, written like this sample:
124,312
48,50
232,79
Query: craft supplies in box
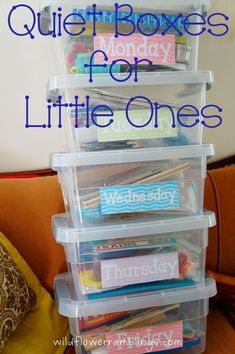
164,32
150,322
162,110
127,185
142,256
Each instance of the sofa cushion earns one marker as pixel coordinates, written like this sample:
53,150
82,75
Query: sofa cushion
42,326
16,296
27,206
220,334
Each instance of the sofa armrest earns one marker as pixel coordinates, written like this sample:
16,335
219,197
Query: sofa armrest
26,208
220,198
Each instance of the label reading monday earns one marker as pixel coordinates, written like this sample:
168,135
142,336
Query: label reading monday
140,198
122,129
157,48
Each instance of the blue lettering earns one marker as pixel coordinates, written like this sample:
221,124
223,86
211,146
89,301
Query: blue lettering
28,29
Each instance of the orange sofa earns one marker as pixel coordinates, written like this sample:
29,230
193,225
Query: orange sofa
27,205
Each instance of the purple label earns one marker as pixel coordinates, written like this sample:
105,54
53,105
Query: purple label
142,269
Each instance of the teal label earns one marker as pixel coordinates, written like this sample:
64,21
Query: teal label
139,198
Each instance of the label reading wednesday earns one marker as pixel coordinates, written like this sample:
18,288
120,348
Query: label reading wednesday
139,198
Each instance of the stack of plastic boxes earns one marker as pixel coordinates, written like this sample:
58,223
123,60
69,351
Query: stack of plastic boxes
135,233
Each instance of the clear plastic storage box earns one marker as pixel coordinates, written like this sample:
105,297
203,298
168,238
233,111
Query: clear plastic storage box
148,34
130,185
163,109
163,321
143,256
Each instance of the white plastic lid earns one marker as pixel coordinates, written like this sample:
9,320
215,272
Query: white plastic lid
65,234
63,160
75,308
150,4
81,81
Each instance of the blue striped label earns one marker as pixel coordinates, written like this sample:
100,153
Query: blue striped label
149,21
140,198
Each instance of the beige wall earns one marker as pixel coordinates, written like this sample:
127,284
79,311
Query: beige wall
25,68
218,55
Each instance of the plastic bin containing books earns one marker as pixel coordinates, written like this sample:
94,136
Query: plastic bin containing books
161,34
135,257
163,109
160,321
128,185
